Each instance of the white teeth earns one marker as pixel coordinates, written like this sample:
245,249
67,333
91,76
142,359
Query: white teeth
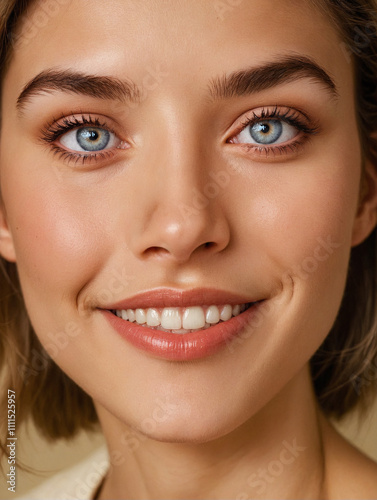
171,318
213,315
226,312
193,318
153,317
124,314
236,310
140,316
131,315
181,320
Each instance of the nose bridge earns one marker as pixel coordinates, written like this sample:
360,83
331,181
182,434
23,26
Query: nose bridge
184,163
180,214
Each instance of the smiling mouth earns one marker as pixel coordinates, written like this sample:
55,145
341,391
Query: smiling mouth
181,320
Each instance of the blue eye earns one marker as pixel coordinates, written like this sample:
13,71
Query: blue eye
267,132
89,139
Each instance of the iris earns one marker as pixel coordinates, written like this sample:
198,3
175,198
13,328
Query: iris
266,132
93,139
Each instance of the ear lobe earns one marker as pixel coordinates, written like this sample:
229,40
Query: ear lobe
366,218
7,250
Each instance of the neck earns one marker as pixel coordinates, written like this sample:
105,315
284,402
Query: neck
277,453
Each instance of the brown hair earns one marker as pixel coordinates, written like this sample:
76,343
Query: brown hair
344,369
42,389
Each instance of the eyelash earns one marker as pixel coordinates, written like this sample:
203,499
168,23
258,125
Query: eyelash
53,131
291,117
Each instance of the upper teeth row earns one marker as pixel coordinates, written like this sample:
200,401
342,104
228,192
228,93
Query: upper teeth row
175,318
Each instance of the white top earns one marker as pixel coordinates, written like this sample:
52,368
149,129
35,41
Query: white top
79,482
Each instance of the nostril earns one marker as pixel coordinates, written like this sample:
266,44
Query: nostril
156,251
209,244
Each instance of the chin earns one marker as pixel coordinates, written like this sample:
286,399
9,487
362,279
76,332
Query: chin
193,426
184,432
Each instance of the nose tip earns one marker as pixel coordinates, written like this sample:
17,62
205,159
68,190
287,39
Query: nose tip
179,239
182,213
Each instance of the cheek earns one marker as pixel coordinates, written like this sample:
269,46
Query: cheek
297,229
59,234
295,208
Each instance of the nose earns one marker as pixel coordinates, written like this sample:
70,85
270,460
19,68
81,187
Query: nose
180,210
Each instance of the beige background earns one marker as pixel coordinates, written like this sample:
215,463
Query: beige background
33,451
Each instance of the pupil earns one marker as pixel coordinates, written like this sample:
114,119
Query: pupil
90,135
93,136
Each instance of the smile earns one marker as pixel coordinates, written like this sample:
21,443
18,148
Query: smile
174,325
180,320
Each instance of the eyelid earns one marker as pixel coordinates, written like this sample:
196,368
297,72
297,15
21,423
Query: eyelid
74,121
54,130
292,116
283,113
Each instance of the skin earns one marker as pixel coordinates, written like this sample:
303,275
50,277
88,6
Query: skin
71,228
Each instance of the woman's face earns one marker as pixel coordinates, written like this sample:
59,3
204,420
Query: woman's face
176,190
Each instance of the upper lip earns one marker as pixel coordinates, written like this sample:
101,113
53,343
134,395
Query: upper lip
169,297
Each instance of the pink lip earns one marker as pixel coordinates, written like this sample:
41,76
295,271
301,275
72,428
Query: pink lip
168,297
181,347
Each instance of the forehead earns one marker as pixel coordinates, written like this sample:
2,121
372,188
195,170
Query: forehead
189,41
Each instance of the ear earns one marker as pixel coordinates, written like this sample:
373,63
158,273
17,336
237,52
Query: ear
6,240
366,217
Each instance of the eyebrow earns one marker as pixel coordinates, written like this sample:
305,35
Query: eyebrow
264,77
74,82
236,84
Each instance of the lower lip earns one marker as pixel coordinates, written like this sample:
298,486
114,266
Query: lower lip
186,346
